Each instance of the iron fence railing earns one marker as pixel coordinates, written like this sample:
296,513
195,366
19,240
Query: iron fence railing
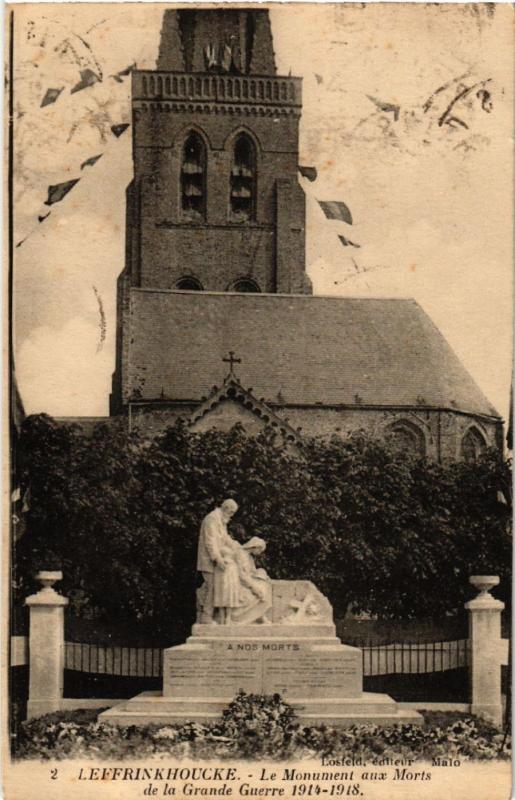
141,662
414,657
410,657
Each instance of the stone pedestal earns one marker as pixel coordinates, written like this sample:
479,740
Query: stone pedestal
46,647
293,661
485,644
297,656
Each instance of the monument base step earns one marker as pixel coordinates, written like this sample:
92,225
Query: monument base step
265,632
152,708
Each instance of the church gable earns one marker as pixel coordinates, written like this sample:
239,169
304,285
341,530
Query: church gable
226,413
232,404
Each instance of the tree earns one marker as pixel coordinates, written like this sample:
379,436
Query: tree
372,528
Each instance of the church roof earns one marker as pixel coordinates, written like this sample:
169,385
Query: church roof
296,349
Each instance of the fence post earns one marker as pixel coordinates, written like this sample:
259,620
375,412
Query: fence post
485,642
46,646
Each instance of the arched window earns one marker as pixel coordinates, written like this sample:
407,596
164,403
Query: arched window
243,179
189,284
193,177
472,445
244,285
407,438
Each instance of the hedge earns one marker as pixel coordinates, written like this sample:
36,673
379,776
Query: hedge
375,530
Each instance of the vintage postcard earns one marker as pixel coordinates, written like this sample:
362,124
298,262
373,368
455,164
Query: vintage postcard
258,292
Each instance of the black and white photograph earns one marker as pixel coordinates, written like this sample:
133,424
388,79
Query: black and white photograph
258,371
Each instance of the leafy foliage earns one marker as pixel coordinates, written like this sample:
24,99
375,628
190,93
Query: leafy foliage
372,528
255,727
259,725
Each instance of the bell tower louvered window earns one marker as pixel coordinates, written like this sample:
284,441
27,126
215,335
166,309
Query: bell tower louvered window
243,179
193,177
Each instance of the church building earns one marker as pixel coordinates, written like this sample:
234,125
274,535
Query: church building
216,319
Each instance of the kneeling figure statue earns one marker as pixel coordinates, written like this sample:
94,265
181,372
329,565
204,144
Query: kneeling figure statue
235,591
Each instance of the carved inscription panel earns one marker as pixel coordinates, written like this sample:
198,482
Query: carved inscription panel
221,669
313,673
212,672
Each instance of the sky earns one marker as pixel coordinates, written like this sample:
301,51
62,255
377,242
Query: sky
407,116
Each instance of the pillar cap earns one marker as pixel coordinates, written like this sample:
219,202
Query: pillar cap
484,582
484,602
46,597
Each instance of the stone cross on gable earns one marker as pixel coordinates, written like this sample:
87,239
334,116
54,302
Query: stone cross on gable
231,360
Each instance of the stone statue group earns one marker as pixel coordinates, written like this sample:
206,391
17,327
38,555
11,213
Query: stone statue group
235,591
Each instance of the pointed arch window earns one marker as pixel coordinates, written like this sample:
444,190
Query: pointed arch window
406,438
243,179
472,445
193,177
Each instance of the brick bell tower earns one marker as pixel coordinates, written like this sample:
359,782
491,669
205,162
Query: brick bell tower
215,204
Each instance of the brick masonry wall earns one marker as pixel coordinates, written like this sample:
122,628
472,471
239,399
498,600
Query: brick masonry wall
443,430
122,361
218,250
161,131
215,256
152,421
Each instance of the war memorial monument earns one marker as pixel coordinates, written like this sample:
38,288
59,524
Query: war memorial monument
262,636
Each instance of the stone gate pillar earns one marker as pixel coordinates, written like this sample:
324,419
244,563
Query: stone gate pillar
485,644
46,646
